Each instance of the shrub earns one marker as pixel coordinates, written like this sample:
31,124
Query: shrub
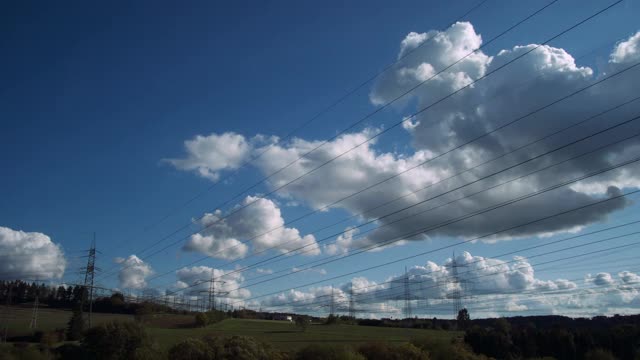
75,326
246,348
191,349
236,347
317,352
302,322
117,340
215,316
383,351
143,312
332,319
443,350
201,320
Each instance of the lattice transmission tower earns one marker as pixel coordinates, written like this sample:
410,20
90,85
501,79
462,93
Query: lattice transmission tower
34,312
89,275
459,286
407,295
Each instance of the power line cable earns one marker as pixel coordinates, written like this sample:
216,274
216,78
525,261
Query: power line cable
442,99
491,208
263,262
438,285
325,110
236,210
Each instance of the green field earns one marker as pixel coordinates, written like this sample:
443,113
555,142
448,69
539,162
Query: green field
48,320
170,329
285,336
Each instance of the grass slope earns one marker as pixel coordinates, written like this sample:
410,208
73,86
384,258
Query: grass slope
48,320
169,329
285,336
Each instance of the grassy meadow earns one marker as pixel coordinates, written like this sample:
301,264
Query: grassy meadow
169,329
48,320
285,336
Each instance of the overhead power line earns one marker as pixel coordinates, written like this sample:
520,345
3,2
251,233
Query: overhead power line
353,125
476,213
420,111
313,118
452,278
297,250
436,157
400,286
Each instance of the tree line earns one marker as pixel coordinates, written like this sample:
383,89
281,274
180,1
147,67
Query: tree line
20,292
557,337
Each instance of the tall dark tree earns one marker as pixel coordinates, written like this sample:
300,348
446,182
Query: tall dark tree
463,318
75,326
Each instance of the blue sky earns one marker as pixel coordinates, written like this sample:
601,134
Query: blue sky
96,97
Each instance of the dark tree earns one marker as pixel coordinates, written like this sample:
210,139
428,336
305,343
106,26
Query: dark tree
75,326
302,322
463,318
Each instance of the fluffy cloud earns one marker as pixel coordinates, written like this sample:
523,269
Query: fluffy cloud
628,277
342,244
261,222
477,275
208,155
601,279
197,280
626,51
493,287
133,272
303,301
29,255
542,76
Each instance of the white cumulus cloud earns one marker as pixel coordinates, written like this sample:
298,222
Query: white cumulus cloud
133,272
545,74
29,255
261,223
208,155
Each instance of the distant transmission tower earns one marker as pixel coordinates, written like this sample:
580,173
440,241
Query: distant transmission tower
332,304
89,274
424,302
407,295
458,286
352,310
34,313
212,291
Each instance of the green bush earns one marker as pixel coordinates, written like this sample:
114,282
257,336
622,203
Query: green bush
332,319
75,326
118,340
143,312
191,349
245,348
302,322
443,350
384,351
215,316
201,320
318,352
233,348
